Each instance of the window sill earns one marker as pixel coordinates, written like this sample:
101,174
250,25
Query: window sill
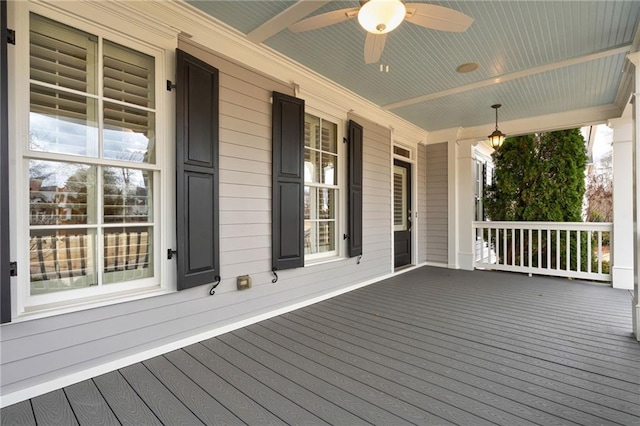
48,310
323,260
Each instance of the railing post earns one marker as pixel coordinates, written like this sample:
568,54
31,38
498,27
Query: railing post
622,238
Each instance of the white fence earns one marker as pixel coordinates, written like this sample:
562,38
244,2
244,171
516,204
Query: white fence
564,249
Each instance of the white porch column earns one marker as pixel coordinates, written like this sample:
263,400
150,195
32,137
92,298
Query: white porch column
465,203
622,249
635,59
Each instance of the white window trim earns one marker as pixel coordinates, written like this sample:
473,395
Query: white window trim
164,189
341,212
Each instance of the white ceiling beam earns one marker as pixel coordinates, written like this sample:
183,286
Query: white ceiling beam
528,125
512,76
289,16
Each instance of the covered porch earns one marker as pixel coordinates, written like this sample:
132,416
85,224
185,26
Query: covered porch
429,346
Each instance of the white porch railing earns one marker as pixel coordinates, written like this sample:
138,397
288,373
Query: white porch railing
564,249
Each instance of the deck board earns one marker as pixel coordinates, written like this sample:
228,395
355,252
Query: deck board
503,368
545,396
158,398
20,414
203,405
53,408
432,346
284,379
127,406
88,404
245,408
601,359
276,403
334,404
349,390
522,323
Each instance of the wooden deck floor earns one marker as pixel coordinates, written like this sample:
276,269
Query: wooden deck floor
428,347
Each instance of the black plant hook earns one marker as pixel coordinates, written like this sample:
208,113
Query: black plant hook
218,279
273,271
358,262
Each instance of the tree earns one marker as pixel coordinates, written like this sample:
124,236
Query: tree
599,191
538,178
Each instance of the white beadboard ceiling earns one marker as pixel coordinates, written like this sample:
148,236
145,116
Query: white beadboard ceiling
536,57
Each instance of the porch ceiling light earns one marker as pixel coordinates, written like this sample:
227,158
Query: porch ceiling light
497,137
381,16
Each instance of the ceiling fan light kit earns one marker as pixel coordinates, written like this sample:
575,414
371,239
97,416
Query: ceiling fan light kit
381,16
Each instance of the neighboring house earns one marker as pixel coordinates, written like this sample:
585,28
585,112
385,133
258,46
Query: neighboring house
117,260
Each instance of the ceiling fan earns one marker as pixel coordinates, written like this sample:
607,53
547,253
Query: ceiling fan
379,17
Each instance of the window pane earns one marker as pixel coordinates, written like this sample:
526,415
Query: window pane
329,169
310,237
326,203
63,123
62,55
311,165
62,260
329,137
127,195
326,236
129,134
311,131
400,209
61,193
310,202
128,75
128,254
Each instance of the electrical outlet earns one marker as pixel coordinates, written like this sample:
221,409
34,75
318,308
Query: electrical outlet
244,282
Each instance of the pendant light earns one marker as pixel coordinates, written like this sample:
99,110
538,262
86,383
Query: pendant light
497,137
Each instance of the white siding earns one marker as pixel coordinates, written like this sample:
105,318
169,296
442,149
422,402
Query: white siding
42,350
437,208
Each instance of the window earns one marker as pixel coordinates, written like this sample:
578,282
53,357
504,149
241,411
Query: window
321,190
93,177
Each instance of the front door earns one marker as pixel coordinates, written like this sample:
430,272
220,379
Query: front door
401,213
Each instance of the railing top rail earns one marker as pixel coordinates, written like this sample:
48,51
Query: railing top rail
594,226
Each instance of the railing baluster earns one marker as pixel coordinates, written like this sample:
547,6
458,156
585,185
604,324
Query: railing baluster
521,247
568,250
530,249
599,252
505,247
497,246
489,245
548,248
558,233
539,265
579,252
589,250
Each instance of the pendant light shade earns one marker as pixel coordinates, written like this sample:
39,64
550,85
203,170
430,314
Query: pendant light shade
497,137
381,16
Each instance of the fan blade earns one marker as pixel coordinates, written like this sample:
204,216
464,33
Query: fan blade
437,17
324,20
373,47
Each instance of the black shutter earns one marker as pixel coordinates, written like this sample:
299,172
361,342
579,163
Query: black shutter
5,280
355,189
197,172
287,226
